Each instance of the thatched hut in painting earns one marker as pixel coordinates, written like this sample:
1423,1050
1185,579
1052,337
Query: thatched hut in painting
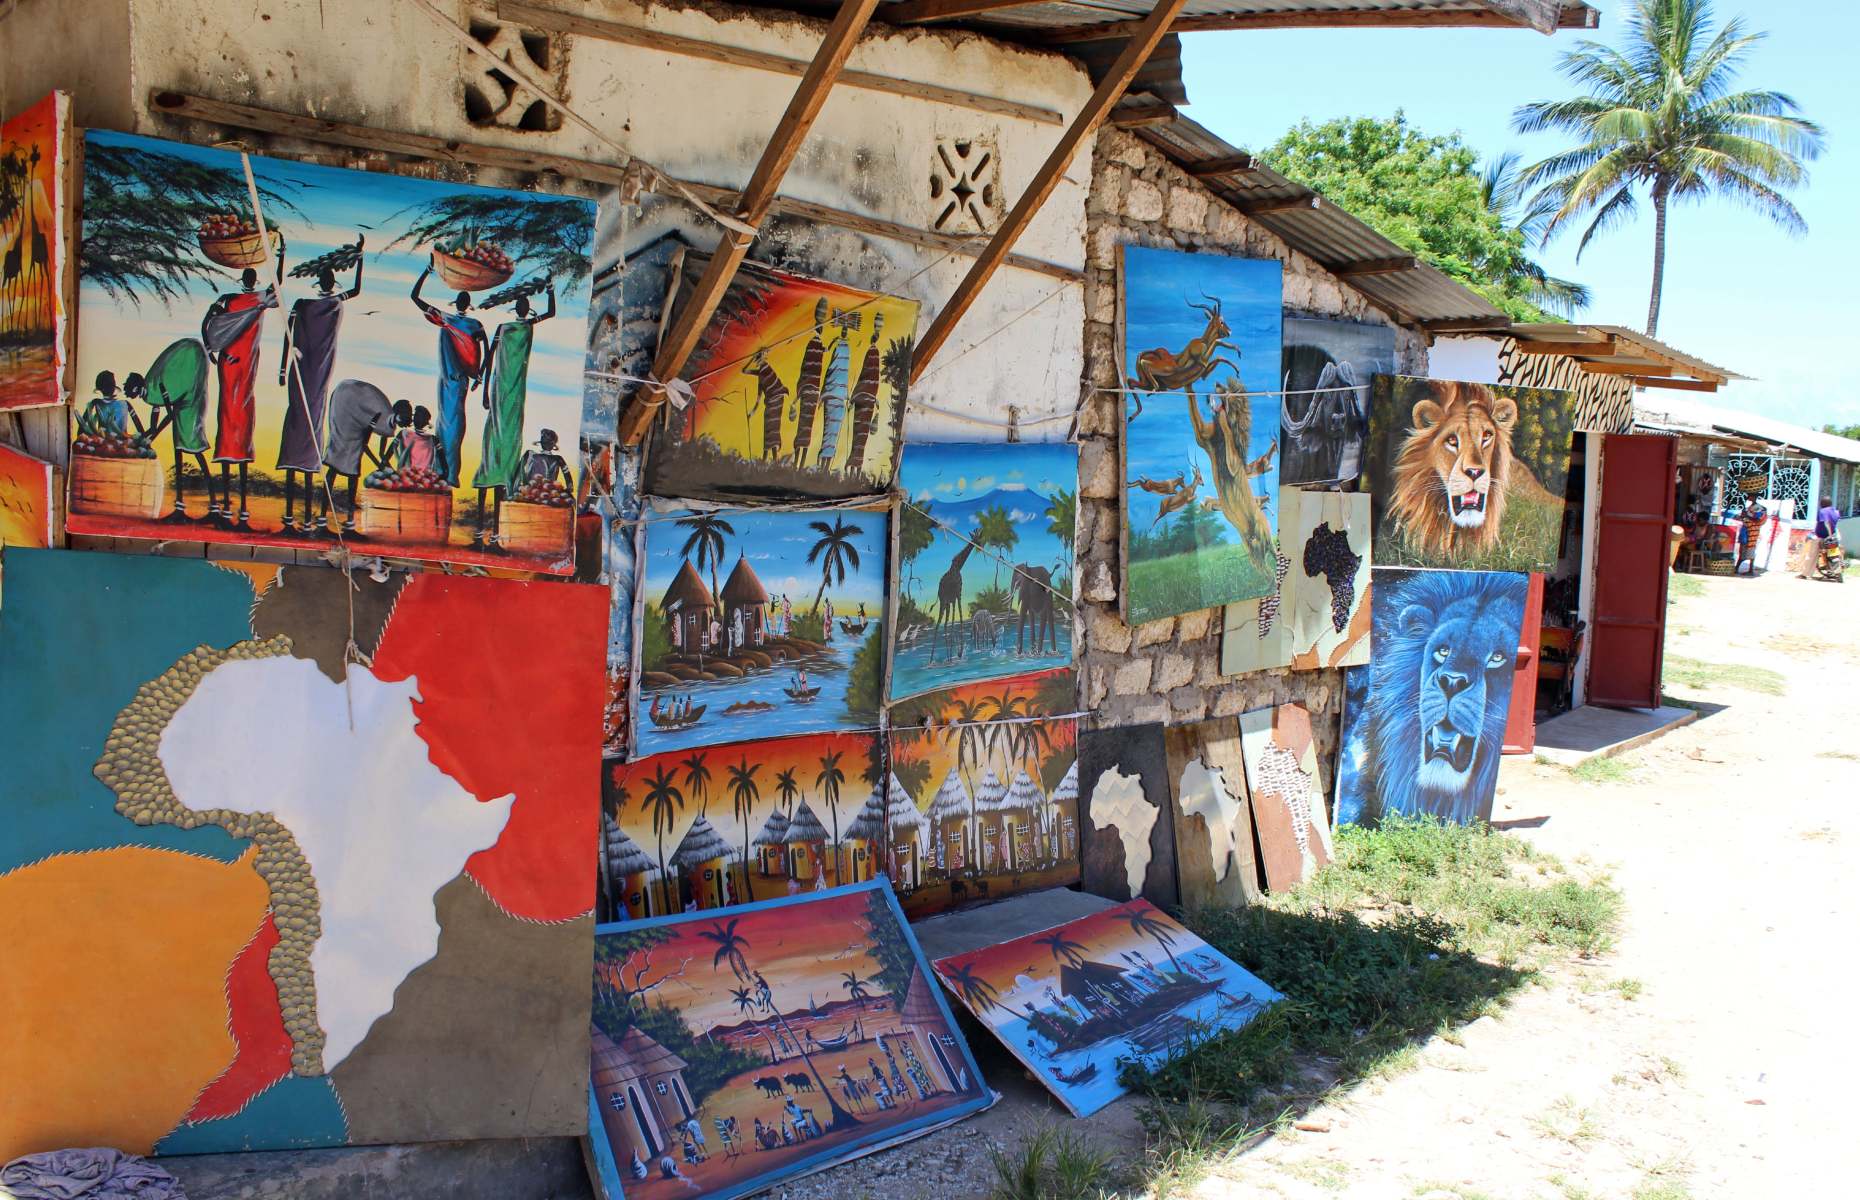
924,1037
639,1087
1062,816
863,836
771,845
701,859
949,817
908,833
1016,813
745,606
987,833
625,869
688,607
806,840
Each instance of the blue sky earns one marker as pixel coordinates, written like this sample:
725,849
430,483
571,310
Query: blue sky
776,544
1740,292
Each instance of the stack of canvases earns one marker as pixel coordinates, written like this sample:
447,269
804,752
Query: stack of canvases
297,856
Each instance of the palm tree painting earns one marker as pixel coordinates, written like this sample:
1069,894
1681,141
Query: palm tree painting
1150,924
664,801
1661,114
977,993
832,776
1064,949
836,550
744,792
705,545
856,988
697,779
995,531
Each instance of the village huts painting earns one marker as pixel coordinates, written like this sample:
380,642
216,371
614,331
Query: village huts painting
1468,476
992,771
735,1051
338,890
1324,414
1424,722
1200,352
1076,1002
798,392
1289,817
711,826
757,623
35,267
391,361
984,562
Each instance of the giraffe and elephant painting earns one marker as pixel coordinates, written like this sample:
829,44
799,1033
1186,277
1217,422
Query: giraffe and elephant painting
984,562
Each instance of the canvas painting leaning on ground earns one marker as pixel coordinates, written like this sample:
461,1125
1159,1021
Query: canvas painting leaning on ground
35,182
798,390
1077,1001
984,562
1468,476
736,1051
337,898
1200,352
757,623
394,361
1288,805
1424,722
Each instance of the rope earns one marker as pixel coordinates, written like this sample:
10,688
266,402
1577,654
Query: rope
986,552
1130,391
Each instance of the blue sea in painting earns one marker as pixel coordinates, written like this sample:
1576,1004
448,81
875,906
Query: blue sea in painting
1008,506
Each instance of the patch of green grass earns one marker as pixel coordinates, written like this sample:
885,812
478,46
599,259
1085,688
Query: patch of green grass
1052,1166
1563,1121
1628,989
1528,536
1180,583
1664,1189
1603,770
1678,585
1693,673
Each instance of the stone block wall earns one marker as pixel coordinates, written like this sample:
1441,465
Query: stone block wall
1169,670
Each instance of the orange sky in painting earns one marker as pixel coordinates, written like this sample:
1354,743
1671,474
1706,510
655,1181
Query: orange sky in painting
939,748
801,949
1103,935
769,759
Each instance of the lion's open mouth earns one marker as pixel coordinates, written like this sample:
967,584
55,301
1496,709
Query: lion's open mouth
1448,745
1467,508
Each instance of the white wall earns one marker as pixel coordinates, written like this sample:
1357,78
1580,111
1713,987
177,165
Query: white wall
1465,359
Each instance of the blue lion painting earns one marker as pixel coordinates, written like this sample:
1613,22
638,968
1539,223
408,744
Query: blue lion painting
1424,723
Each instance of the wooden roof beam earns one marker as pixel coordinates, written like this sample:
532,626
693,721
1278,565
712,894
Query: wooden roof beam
1626,368
1254,208
1375,266
1104,97
1216,168
1142,116
1603,349
1493,325
1677,385
535,16
804,106
1108,31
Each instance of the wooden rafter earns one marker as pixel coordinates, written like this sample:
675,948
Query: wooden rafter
1150,111
1626,368
1253,208
1483,18
1215,168
758,195
1604,349
1394,265
1106,95
536,16
1492,325
1677,385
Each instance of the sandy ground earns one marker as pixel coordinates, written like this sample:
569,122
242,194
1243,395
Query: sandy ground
1729,1074
1729,1071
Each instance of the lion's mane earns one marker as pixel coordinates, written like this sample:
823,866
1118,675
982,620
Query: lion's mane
1418,495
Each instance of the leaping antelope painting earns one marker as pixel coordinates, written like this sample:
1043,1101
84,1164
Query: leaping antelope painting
1200,343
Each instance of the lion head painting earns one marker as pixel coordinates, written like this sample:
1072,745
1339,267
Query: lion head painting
1453,468
1424,722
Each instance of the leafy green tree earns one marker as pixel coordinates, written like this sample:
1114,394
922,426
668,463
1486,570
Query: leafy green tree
1425,193
1660,114
548,235
865,678
1846,431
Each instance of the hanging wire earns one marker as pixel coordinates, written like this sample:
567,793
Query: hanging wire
986,552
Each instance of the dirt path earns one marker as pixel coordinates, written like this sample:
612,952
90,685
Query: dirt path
1713,1054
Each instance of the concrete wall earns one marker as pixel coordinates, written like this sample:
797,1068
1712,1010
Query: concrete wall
81,46
393,66
1170,670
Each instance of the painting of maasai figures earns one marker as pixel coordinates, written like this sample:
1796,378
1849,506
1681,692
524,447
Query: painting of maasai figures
394,362
1424,722
993,788
721,825
757,623
984,562
35,185
1326,607
28,501
799,387
738,1050
1078,1001
1468,476
1200,449
1324,413
1288,802
1255,634
270,889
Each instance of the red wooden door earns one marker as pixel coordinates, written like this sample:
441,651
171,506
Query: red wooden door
1521,721
1627,636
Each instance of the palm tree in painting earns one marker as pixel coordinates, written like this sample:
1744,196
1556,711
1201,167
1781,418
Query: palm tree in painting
745,1002
697,779
994,532
664,801
1062,518
976,992
971,745
732,948
1150,924
744,792
705,542
829,780
855,986
835,551
613,803
1064,949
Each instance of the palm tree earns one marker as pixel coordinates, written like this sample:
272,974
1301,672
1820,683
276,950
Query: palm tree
1661,114
994,530
916,533
744,792
1148,923
697,779
855,986
1064,949
1062,519
975,991
787,787
705,544
971,743
746,1004
835,552
664,801
828,781
1525,215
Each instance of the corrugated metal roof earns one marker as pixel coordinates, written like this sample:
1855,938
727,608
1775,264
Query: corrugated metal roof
1680,414
1418,294
1542,15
